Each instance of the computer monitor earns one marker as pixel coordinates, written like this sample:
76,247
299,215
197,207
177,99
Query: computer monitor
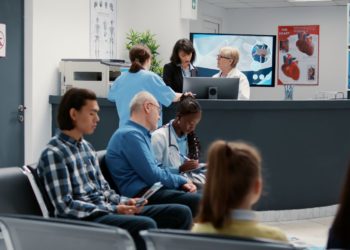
212,88
256,55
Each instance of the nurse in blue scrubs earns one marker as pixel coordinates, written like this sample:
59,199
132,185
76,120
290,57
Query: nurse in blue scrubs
137,79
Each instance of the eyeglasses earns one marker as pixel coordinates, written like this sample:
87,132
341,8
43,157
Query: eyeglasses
225,57
155,105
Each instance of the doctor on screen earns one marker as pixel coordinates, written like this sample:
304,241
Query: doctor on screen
228,58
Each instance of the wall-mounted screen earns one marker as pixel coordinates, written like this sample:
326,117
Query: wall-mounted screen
257,55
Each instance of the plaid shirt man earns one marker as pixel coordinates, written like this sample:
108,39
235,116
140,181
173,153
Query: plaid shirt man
73,179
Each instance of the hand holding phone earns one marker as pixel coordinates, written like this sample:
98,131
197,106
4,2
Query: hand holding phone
140,202
143,200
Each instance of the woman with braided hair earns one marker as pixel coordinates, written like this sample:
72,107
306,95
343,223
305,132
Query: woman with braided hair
176,145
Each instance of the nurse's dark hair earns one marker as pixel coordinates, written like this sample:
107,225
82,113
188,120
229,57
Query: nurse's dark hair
184,45
189,105
74,98
138,55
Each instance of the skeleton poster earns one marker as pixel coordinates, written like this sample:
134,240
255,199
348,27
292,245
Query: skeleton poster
103,17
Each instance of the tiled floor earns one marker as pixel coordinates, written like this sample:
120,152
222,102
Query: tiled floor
304,227
312,232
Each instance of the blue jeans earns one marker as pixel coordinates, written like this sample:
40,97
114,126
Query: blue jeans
172,216
172,196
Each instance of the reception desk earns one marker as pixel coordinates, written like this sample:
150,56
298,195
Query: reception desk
305,144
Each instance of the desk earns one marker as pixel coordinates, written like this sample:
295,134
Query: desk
305,144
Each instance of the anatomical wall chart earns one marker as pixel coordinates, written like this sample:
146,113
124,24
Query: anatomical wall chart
103,18
298,54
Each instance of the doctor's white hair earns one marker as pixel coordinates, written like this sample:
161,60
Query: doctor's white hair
139,99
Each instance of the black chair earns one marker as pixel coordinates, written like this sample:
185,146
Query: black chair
184,240
33,233
22,225
40,192
101,155
16,194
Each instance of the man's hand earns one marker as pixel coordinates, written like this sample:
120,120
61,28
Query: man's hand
189,187
189,165
130,207
126,209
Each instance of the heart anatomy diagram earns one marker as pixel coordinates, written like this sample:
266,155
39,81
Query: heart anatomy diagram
298,50
290,67
304,43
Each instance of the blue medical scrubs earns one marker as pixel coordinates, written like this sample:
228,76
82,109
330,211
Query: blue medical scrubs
127,85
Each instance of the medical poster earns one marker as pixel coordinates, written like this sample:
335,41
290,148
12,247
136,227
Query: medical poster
298,54
2,40
103,18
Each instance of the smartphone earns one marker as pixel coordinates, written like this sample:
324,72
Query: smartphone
140,202
155,187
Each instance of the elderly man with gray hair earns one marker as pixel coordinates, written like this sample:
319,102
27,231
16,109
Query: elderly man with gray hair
132,163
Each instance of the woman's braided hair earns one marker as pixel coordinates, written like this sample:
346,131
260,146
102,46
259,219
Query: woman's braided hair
189,105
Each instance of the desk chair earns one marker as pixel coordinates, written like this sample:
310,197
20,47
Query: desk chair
184,240
33,233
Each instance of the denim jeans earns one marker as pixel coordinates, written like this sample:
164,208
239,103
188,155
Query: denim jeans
172,196
172,216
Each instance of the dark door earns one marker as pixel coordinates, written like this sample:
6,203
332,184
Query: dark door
11,85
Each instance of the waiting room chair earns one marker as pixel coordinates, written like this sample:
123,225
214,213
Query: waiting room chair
101,155
2,242
16,194
33,233
19,198
178,239
39,190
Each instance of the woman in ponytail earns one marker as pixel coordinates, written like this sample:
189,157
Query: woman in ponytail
233,186
138,79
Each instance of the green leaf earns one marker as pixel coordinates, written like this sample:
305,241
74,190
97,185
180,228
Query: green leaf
148,39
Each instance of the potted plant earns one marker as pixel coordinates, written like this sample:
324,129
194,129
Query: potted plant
146,38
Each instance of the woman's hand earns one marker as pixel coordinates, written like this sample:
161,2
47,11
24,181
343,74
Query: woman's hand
189,165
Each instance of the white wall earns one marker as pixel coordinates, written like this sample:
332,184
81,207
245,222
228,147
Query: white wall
333,42
211,13
54,30
160,17
60,29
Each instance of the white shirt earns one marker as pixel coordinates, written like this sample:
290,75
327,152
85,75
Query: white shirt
165,151
244,88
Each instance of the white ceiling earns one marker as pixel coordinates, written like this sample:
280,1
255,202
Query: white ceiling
228,4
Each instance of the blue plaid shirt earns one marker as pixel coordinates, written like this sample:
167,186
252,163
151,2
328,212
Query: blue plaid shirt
73,178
